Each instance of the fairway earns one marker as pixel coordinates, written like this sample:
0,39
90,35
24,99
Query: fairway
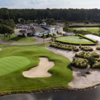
14,38
90,29
14,60
12,63
73,40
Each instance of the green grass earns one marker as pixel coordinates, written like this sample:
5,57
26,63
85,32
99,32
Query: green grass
12,63
14,38
73,40
20,56
91,29
3,45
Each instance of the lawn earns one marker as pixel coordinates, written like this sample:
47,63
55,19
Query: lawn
15,38
73,40
16,59
91,29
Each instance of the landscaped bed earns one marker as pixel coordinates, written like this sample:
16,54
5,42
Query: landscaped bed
15,38
65,47
74,40
15,60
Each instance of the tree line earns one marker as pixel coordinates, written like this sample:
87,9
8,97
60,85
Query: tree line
77,15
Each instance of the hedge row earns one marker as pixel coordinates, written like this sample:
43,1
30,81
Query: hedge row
76,26
65,47
87,38
75,43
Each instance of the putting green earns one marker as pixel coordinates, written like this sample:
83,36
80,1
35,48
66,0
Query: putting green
12,63
73,40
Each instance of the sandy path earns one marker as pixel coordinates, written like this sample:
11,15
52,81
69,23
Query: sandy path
41,70
82,80
68,54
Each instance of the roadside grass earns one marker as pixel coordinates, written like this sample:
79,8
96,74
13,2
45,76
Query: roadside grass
15,81
73,40
15,38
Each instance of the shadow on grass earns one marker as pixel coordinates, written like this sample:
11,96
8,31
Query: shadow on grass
16,38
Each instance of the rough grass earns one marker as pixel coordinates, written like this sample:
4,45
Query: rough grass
74,40
15,81
15,38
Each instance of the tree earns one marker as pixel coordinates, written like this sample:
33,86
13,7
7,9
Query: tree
66,27
9,22
4,29
43,37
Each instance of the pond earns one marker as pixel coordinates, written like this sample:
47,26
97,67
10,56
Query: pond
93,37
92,94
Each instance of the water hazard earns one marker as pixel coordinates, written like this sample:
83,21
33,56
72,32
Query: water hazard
93,94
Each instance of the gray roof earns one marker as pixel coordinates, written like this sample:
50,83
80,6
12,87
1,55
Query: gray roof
69,34
38,29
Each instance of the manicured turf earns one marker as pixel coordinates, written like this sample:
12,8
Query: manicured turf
14,38
91,29
15,81
73,40
12,63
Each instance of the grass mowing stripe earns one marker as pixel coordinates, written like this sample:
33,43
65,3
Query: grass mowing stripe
12,63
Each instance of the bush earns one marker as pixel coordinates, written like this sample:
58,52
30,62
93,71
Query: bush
80,63
96,65
65,47
94,54
87,48
98,48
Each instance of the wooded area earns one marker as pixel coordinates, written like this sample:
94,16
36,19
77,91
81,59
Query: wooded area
77,15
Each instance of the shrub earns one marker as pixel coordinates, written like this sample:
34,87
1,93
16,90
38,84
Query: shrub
80,63
98,48
87,48
96,65
86,55
65,47
94,54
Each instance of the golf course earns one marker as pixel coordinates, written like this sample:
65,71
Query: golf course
14,60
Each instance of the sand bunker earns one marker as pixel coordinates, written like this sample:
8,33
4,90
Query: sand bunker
82,80
41,70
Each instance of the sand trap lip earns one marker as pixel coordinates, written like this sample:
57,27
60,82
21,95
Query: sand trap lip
41,70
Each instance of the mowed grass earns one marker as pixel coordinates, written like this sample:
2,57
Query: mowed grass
15,81
12,63
73,39
15,38
91,29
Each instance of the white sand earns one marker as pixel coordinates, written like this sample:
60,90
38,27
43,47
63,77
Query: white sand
94,37
41,70
82,80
